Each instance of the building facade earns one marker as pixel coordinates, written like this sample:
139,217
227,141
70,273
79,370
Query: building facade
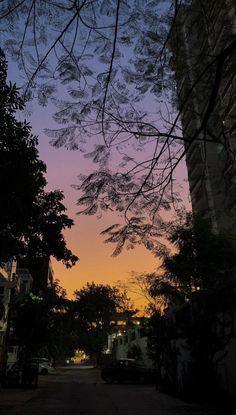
7,283
204,60
128,339
21,281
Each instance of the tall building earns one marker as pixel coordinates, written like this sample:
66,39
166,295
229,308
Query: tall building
203,44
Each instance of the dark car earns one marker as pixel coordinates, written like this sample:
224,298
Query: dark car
127,370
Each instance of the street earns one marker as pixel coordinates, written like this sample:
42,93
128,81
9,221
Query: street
75,390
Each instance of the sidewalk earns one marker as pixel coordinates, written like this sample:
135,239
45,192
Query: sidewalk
10,397
13,397
16,396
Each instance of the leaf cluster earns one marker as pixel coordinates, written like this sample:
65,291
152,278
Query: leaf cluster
115,62
92,47
203,257
31,220
197,260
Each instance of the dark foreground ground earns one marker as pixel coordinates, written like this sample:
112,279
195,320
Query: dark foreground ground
76,391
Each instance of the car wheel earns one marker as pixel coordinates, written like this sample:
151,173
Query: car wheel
44,372
109,379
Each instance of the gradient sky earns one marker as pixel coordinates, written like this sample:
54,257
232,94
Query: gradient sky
96,263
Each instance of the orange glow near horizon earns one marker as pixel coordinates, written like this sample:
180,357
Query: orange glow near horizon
96,262
63,166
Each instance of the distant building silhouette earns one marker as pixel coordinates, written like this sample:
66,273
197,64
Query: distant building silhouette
204,61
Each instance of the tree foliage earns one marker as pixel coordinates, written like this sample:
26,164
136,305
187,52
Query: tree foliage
31,220
193,320
49,220
21,171
95,308
114,63
42,323
196,260
202,258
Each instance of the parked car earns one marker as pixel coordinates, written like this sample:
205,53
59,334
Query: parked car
44,365
127,370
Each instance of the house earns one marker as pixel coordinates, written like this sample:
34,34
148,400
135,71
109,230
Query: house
128,338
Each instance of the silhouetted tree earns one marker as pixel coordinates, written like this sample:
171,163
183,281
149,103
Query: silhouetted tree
42,323
21,171
31,220
116,62
95,309
45,236
199,258
196,290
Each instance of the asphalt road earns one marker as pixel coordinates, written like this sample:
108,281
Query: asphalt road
76,391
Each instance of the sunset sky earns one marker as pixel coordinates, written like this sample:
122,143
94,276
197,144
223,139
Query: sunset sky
96,262
63,167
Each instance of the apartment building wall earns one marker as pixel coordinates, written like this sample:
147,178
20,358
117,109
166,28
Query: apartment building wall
202,31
